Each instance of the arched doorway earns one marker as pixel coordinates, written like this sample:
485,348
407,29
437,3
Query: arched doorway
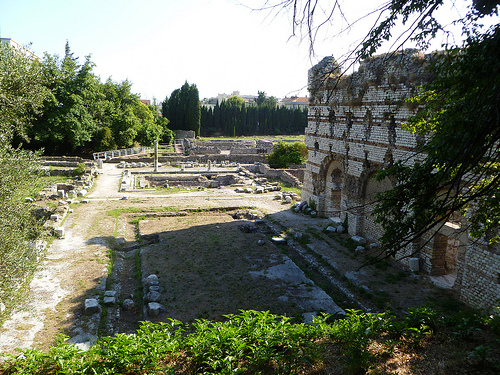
334,182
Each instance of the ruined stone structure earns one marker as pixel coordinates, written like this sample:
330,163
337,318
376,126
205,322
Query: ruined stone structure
354,129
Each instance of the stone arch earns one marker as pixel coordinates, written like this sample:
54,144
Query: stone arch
334,184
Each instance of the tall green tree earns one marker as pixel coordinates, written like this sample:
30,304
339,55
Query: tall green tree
67,121
183,108
263,100
21,98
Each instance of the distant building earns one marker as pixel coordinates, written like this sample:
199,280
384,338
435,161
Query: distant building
295,102
145,101
18,47
209,102
249,99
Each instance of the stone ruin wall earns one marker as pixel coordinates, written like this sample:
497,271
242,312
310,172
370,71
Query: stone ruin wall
354,129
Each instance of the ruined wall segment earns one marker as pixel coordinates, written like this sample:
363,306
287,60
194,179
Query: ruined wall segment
355,129
355,121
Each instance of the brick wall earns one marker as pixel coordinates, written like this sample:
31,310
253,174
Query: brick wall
354,129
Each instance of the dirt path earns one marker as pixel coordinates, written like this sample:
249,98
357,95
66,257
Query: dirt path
76,266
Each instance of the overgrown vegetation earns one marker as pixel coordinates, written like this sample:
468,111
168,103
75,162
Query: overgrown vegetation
253,342
21,95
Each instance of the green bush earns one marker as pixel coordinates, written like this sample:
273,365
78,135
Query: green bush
285,154
79,170
251,342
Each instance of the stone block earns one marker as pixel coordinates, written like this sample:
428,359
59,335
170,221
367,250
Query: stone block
153,296
109,301
128,304
358,239
59,232
92,306
155,308
336,220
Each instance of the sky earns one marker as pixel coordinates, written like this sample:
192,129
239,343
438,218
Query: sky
222,46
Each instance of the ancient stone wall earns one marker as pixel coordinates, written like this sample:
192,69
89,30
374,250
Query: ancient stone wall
355,129
281,174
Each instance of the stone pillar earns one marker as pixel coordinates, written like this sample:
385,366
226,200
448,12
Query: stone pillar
156,156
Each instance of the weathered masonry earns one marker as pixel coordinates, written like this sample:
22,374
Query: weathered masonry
354,129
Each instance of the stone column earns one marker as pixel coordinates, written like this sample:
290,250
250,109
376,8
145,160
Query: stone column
156,156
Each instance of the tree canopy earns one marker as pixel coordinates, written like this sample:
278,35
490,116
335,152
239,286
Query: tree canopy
235,120
459,120
78,113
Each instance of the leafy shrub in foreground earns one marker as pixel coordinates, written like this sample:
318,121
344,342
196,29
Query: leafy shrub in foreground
250,342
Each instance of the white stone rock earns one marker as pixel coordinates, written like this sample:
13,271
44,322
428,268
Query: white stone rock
340,229
358,239
278,240
152,280
359,249
336,220
414,264
331,229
